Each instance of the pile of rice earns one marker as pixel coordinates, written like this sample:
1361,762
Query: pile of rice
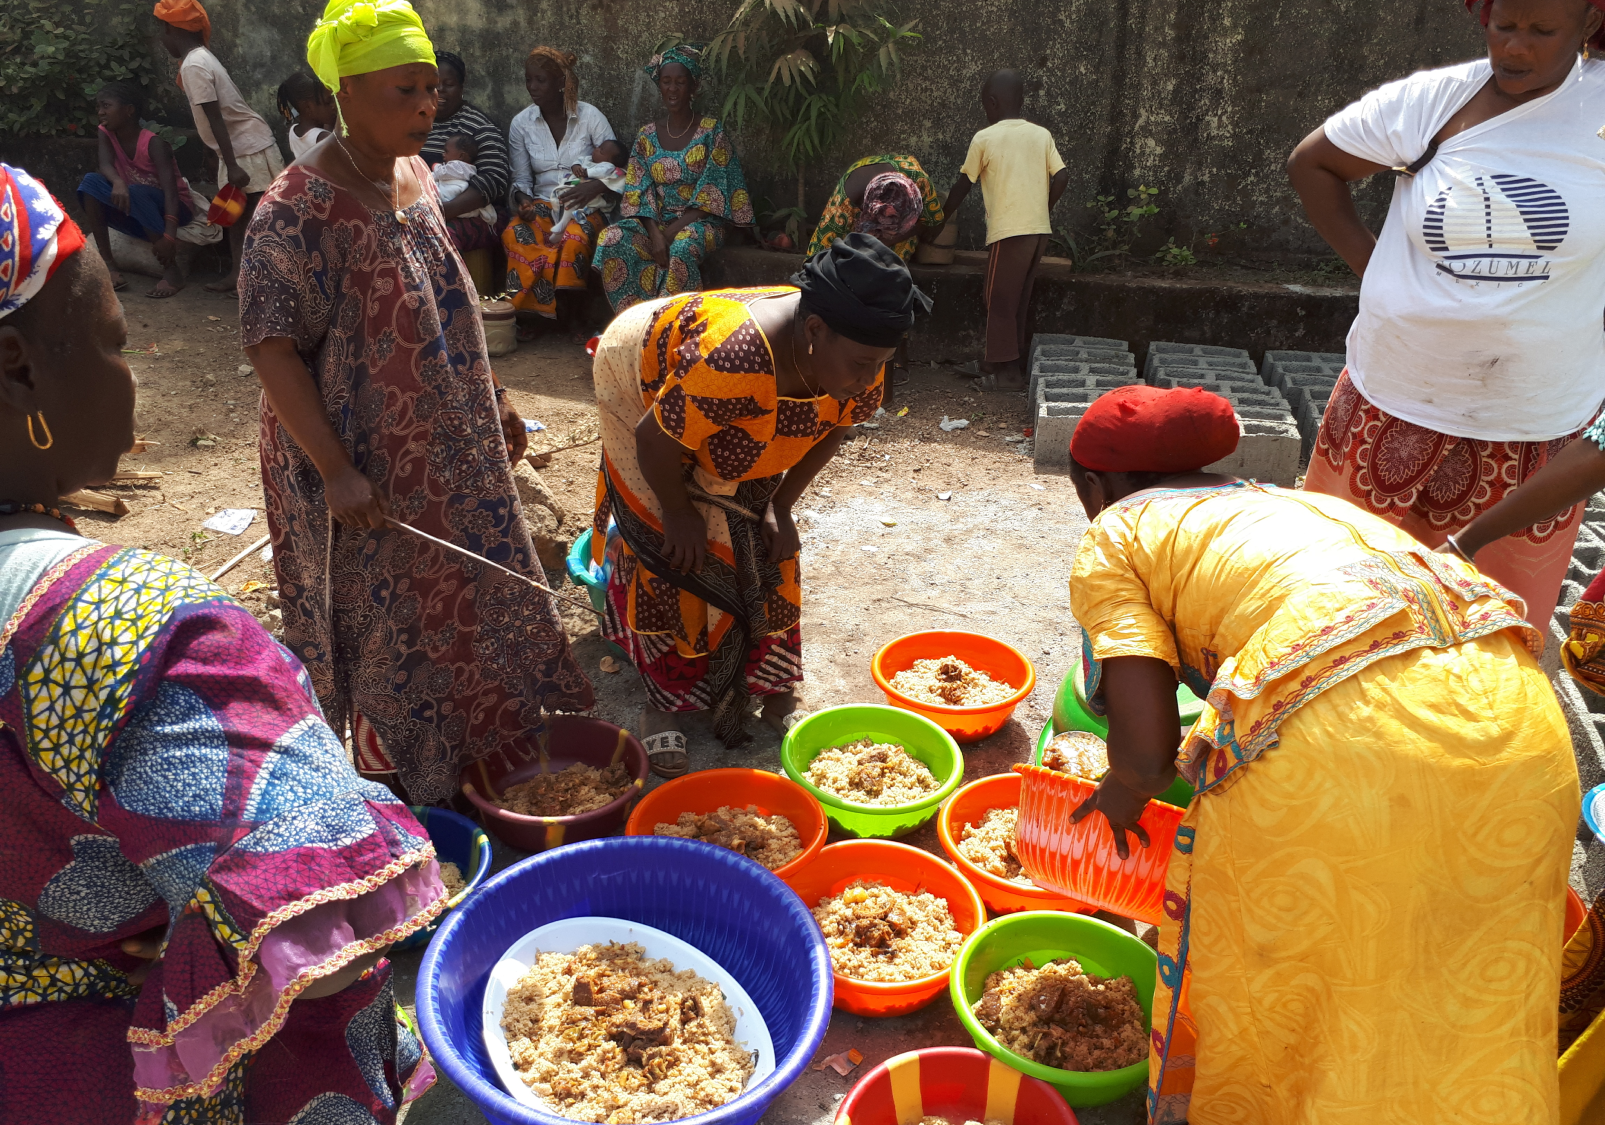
949,682
1060,1016
990,845
872,773
771,840
1078,753
606,1034
452,876
578,789
877,934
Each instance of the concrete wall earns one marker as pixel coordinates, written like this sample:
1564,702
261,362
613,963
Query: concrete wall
1202,101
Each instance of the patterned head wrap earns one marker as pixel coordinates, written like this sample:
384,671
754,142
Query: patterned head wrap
36,236
562,62
360,37
688,55
862,290
892,205
1151,430
1598,41
186,15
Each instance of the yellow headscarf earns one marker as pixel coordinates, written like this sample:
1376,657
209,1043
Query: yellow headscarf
361,36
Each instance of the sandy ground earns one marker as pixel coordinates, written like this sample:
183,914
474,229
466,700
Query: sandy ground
883,554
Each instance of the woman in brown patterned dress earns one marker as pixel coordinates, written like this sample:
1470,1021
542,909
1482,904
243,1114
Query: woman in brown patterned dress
379,402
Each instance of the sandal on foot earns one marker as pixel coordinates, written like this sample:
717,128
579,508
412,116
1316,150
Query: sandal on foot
967,370
666,753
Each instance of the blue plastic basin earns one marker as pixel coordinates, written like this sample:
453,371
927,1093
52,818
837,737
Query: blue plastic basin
730,908
457,840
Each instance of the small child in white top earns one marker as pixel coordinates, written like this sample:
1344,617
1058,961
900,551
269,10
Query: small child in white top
454,171
308,108
606,161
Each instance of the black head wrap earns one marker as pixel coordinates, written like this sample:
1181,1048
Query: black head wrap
862,290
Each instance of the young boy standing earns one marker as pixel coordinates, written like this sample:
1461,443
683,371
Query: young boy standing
1021,177
248,155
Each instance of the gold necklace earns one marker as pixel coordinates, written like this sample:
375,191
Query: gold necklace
682,133
395,209
797,366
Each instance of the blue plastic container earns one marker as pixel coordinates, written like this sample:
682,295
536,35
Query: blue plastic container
579,573
730,908
457,840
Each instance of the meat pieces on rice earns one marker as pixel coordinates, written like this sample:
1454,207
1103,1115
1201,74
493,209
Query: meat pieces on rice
1060,1016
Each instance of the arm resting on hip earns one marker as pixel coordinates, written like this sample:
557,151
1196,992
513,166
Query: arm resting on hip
1321,173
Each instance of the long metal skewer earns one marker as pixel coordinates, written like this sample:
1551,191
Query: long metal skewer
587,606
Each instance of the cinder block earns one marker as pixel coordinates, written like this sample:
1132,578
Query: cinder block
1162,347
1044,367
1300,363
1268,451
1058,339
1163,362
1085,355
1056,421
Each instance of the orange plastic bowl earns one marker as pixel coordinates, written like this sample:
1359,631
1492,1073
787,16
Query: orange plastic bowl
707,790
901,868
574,738
970,806
958,1083
1576,912
1079,860
996,659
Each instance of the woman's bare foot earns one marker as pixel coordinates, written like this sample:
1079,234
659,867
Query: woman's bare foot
229,284
118,281
776,708
172,281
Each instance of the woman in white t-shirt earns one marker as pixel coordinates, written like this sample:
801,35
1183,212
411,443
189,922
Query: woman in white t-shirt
1478,352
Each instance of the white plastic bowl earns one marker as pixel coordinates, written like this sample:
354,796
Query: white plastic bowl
568,935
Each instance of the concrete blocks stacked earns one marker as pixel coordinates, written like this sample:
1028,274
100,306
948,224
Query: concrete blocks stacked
1306,380
1067,373
1270,445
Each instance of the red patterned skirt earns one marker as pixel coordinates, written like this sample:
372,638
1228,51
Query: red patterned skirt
1432,485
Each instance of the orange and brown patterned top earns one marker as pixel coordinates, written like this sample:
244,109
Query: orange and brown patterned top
708,375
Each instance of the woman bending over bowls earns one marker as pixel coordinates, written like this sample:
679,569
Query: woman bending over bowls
718,409
1363,907
198,889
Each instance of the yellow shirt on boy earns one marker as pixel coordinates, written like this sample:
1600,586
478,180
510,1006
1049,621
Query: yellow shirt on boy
1013,161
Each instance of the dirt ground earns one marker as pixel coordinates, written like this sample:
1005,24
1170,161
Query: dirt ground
909,528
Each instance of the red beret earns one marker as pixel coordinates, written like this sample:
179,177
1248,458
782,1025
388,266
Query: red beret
1145,429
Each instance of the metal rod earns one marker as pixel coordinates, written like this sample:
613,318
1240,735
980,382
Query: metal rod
587,606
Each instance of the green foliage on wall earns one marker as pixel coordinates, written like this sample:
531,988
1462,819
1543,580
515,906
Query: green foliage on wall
54,55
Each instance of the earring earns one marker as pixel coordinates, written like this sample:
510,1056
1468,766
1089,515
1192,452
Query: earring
810,348
49,441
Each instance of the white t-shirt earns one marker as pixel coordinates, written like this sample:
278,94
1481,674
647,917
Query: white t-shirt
204,80
1480,312
300,146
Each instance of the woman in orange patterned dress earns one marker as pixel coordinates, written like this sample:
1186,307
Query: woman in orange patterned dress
717,411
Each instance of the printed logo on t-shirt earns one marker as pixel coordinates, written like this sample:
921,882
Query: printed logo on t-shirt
1496,227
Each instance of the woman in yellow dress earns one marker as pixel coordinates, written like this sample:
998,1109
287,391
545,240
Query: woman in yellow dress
717,411
1364,904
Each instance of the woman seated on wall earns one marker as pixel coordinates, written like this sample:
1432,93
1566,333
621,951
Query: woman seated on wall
489,184
555,133
683,187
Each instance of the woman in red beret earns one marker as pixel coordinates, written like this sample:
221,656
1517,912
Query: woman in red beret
1364,904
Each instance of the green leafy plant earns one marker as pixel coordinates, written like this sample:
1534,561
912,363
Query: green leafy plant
1172,255
806,69
54,55
166,132
1115,227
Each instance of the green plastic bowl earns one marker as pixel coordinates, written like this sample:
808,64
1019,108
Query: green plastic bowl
1179,794
850,722
1070,710
1048,935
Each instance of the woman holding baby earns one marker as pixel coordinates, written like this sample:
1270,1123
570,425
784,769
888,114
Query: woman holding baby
556,133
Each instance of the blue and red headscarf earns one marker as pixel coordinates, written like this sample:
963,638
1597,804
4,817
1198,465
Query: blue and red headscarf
36,236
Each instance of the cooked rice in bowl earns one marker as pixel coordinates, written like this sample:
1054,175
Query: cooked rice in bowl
990,845
606,1034
569,792
771,840
1060,1016
949,682
1078,753
877,934
872,773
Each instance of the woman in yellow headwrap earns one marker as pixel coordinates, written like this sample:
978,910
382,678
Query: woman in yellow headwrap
364,327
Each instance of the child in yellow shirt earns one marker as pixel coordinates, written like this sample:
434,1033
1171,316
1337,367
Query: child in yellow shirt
1021,177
